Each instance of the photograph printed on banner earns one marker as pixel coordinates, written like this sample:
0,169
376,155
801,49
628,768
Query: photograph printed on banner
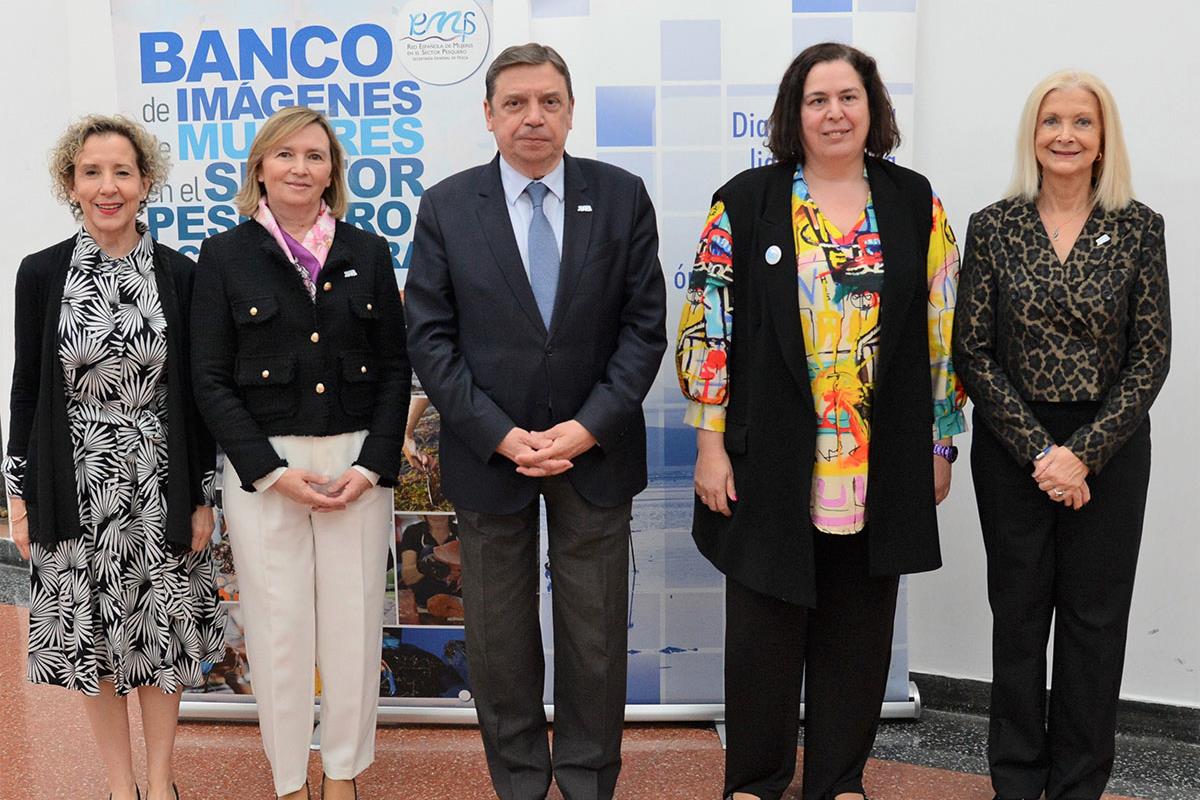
428,571
424,662
419,490
226,581
230,675
391,612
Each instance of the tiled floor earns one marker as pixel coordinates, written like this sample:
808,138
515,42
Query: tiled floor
46,752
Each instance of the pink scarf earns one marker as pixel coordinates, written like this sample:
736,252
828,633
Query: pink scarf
316,243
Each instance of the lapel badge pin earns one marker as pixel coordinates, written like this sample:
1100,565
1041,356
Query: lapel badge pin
773,254
584,207
1105,239
350,273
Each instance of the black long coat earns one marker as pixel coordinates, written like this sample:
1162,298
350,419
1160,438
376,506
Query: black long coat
770,431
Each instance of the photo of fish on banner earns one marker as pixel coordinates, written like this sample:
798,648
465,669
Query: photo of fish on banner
424,662
428,580
419,489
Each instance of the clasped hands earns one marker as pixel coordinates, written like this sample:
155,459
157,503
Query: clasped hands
301,486
1062,476
540,454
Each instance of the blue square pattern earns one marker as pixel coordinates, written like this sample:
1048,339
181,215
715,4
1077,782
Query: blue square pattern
560,8
639,162
625,116
693,620
691,50
644,678
645,621
808,31
689,180
691,115
694,678
821,6
887,5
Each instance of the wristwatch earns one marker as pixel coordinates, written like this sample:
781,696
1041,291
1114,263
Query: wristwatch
946,451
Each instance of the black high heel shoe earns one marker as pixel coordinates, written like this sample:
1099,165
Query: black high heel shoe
353,782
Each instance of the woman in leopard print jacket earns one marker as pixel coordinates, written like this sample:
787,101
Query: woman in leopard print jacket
1062,340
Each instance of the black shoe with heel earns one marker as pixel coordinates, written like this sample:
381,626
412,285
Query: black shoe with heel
353,782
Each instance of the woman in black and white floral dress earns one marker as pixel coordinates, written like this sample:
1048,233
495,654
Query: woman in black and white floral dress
109,467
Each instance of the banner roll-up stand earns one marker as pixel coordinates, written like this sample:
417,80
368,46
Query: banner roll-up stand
679,101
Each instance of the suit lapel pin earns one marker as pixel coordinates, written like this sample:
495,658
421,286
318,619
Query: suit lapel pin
1105,239
773,254
350,273
584,207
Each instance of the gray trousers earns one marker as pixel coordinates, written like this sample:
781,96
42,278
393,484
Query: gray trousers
589,564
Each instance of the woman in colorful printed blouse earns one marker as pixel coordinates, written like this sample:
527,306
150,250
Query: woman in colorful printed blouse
814,350
302,375
109,468
1063,341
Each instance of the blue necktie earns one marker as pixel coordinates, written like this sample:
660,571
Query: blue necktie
543,253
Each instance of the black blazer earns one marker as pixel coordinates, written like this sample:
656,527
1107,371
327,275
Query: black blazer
269,361
38,429
485,357
770,429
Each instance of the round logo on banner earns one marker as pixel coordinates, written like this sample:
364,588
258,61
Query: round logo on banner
442,42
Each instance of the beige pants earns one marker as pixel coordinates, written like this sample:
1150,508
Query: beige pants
311,589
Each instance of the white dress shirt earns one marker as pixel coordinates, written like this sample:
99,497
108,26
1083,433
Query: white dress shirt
520,207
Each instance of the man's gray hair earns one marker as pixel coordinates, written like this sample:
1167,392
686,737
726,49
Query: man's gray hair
531,54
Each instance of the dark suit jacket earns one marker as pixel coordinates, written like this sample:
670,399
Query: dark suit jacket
257,366
483,354
1097,328
770,427
39,430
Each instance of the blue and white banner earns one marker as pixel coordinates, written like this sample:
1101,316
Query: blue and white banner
676,93
679,94
402,84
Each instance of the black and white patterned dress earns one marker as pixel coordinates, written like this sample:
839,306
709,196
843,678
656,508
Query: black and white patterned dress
117,604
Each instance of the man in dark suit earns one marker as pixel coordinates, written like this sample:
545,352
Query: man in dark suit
536,324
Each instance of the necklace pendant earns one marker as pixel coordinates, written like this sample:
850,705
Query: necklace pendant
1054,236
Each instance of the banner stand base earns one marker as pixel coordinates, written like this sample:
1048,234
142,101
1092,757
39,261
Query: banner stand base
462,714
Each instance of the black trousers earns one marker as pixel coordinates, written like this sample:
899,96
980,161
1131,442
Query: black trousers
840,650
1045,561
589,562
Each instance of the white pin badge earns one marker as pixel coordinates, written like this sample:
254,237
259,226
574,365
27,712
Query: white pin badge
584,208
773,254
1105,239
350,273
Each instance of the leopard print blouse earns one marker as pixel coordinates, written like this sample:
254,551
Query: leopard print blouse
1095,328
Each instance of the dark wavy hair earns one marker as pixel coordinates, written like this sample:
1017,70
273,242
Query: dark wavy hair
785,140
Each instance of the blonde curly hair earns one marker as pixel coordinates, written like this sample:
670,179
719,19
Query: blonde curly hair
152,163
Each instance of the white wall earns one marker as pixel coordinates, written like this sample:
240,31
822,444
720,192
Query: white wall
57,62
976,62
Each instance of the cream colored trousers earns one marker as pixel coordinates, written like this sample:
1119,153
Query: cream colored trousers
311,589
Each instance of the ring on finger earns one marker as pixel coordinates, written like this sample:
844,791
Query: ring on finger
1059,492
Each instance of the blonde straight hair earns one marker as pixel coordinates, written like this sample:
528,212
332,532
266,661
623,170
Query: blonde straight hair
282,124
1112,180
